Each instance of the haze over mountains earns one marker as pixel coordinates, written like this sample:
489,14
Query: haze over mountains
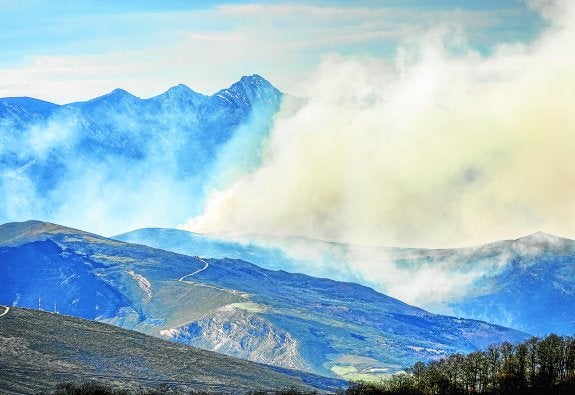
406,206
230,306
117,161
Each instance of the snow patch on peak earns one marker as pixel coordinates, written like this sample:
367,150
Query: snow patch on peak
249,91
255,79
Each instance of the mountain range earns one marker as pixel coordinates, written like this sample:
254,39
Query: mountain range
118,162
289,320
57,160
526,284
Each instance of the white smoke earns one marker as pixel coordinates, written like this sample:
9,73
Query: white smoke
441,146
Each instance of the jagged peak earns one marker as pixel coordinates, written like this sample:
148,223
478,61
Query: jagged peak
180,88
121,93
116,94
254,79
248,90
180,91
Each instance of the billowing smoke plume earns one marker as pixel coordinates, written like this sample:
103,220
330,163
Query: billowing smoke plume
442,146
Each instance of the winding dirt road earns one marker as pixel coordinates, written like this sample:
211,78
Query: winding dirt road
6,310
206,265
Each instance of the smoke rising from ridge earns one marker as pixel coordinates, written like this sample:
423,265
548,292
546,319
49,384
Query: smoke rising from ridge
440,147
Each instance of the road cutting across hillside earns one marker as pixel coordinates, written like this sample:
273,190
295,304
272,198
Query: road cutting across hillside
206,265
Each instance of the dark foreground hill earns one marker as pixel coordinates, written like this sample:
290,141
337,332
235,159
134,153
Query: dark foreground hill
38,350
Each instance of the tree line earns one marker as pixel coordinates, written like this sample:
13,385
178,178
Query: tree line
536,366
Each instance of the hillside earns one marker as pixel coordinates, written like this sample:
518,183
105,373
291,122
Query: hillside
40,350
230,306
526,284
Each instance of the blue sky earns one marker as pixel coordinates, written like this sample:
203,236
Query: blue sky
73,50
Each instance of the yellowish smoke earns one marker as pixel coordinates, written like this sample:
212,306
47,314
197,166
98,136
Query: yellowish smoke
431,149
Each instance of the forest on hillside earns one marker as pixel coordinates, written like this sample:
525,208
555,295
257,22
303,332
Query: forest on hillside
536,366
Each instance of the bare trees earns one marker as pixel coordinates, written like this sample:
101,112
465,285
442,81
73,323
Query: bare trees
535,366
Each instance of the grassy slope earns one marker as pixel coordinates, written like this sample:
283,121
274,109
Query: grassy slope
40,349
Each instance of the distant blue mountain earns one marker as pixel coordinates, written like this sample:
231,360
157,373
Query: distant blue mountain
98,158
228,305
534,291
21,112
195,244
527,284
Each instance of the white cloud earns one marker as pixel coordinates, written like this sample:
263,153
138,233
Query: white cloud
299,10
208,49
